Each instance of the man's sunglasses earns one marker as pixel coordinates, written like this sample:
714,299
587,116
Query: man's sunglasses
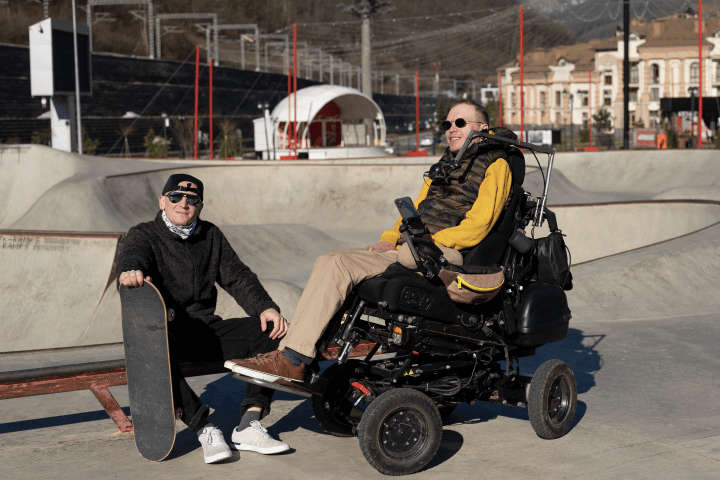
459,122
176,197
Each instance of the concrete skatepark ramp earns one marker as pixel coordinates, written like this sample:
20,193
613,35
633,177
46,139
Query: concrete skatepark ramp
280,216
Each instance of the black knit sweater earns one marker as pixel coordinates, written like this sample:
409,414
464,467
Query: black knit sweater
185,271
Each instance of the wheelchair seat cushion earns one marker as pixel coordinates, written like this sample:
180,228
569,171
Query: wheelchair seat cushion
409,293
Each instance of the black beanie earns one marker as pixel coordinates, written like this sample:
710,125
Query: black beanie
173,184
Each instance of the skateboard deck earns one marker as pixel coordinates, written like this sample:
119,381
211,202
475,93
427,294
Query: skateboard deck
147,362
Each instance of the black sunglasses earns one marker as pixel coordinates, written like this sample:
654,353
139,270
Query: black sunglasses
459,122
176,197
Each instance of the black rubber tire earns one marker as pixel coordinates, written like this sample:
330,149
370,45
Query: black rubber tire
338,390
552,400
400,432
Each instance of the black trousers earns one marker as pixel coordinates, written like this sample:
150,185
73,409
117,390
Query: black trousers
194,340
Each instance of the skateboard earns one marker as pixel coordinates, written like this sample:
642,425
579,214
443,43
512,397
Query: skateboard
147,362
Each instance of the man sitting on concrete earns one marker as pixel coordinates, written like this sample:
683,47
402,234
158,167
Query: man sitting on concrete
184,257
458,213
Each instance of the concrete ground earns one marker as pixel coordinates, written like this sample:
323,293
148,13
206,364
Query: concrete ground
643,339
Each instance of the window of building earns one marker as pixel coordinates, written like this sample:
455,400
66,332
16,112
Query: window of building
633,95
607,98
654,119
654,73
634,75
558,118
654,94
694,73
512,99
558,99
542,99
717,72
585,120
608,77
583,97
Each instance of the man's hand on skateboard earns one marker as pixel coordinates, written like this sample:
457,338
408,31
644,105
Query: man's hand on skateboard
280,326
133,278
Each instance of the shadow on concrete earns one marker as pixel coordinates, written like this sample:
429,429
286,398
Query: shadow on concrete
451,443
56,421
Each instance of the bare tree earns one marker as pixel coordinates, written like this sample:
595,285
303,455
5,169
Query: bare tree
126,131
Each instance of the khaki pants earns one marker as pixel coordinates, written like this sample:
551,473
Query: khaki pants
334,276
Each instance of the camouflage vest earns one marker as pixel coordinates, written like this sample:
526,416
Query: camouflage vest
448,202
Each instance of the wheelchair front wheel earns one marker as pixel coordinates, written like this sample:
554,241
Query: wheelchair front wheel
400,432
552,399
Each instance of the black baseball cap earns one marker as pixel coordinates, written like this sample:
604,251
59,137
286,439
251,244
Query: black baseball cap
173,184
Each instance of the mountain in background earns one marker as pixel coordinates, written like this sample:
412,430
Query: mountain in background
590,19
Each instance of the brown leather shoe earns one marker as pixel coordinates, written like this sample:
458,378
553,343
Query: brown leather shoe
269,367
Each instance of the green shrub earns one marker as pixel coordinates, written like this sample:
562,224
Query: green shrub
584,136
672,138
89,145
717,138
230,145
41,137
153,149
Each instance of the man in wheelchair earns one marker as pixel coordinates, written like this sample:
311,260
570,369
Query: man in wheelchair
459,207
458,329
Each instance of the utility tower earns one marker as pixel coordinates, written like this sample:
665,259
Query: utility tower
366,9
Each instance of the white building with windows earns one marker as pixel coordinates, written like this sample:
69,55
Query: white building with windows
569,83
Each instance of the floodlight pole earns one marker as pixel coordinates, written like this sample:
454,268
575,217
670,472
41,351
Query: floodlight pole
77,83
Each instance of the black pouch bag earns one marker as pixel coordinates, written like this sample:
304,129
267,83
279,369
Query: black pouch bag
552,259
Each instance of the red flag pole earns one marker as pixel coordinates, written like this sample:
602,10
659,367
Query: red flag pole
197,86
590,104
700,57
499,99
211,112
289,125
295,128
417,111
522,72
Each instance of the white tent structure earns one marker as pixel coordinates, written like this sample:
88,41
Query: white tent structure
332,122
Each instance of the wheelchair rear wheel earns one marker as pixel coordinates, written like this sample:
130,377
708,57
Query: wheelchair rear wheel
400,432
552,399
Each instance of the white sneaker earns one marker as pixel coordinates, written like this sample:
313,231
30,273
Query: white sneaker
256,439
213,443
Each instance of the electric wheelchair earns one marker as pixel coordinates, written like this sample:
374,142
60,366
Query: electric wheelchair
447,353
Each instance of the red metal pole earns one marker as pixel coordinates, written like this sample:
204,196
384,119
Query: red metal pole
590,104
522,82
295,127
197,86
289,124
211,112
700,57
499,99
417,111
